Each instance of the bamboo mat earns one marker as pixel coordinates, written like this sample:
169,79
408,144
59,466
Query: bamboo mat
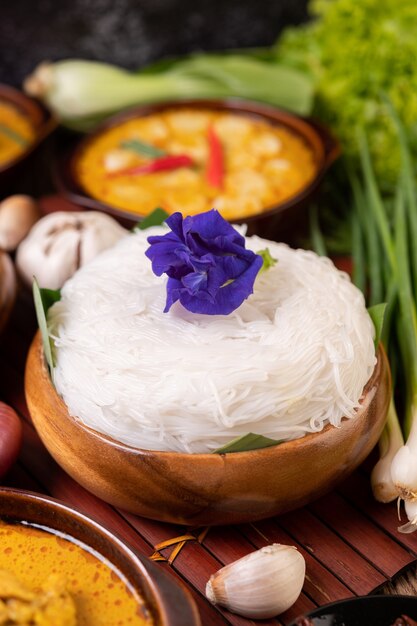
350,542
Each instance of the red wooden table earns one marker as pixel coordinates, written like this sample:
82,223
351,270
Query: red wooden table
350,542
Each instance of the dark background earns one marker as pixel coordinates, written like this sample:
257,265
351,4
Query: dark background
132,33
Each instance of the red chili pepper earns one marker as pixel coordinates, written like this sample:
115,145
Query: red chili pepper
161,164
215,164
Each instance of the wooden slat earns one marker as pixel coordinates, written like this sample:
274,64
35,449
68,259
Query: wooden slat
357,490
359,531
347,564
194,561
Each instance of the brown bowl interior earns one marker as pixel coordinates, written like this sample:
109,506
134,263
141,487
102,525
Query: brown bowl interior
325,149
41,119
205,489
169,604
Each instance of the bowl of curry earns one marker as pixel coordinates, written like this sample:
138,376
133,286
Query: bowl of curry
254,163
24,124
59,567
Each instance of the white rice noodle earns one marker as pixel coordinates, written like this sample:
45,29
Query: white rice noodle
294,357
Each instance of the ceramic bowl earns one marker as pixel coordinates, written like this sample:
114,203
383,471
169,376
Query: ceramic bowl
7,288
205,489
275,222
169,603
43,123
363,611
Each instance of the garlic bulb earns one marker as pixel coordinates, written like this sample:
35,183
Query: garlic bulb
262,584
17,216
61,242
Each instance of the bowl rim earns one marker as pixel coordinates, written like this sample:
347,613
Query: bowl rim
8,288
44,125
300,442
150,591
337,604
68,184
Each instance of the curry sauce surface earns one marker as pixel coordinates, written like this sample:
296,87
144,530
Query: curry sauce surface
264,164
101,594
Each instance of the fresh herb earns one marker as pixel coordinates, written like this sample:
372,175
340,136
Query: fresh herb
354,51
209,269
142,148
268,259
246,443
44,299
156,218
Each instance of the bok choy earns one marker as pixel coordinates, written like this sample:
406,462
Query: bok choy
80,93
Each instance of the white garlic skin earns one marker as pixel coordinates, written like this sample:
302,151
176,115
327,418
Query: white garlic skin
17,215
62,242
262,584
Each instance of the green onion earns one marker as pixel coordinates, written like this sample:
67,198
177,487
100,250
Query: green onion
81,93
317,239
377,275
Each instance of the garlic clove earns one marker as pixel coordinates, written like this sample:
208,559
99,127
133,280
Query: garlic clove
62,242
17,215
262,584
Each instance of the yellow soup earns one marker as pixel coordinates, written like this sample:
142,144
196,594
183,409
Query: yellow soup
101,594
16,132
263,164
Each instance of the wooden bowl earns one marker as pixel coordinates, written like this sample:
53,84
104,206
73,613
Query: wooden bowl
275,222
169,603
43,123
7,288
205,488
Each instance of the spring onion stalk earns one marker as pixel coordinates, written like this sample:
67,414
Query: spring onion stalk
80,93
316,235
391,441
404,464
368,242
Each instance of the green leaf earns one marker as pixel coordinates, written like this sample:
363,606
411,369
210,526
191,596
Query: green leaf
247,77
142,148
156,218
268,259
44,299
377,313
247,442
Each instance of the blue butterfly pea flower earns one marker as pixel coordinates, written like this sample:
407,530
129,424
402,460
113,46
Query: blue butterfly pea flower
208,267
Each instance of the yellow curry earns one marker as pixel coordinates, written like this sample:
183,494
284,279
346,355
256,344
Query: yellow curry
100,593
258,164
16,132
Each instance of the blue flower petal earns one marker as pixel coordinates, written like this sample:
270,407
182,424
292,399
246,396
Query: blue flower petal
195,282
228,298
